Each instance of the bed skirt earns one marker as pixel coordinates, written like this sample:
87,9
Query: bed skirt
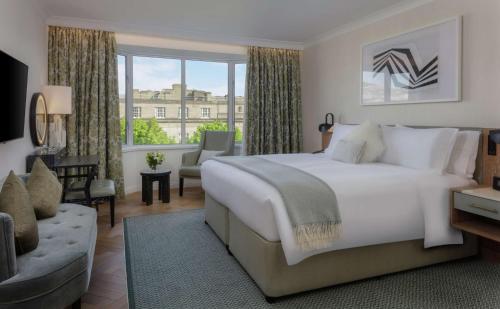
265,261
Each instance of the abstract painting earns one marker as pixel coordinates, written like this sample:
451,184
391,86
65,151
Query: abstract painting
421,66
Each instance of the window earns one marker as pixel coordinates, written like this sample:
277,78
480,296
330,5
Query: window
205,112
157,81
137,112
160,112
179,112
207,90
168,98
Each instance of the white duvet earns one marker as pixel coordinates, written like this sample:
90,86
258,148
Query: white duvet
379,203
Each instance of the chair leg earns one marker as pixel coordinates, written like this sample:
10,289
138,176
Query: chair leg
77,304
112,210
181,186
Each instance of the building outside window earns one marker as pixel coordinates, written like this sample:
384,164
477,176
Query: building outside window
160,113
155,96
137,112
179,113
205,113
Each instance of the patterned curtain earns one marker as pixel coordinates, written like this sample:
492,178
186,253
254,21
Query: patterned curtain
273,118
86,61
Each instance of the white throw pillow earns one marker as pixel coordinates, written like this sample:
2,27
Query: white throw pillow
370,134
418,148
348,151
339,132
207,154
463,157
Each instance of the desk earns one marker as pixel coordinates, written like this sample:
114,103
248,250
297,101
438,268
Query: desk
90,163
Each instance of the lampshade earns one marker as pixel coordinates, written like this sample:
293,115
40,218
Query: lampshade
58,99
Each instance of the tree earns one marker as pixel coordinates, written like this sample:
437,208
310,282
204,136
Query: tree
212,126
148,132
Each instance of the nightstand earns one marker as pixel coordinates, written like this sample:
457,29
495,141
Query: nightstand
476,210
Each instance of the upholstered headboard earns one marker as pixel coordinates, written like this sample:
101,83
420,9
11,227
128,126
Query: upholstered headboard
486,165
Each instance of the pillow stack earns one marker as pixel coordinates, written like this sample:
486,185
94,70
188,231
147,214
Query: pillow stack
356,143
39,199
464,154
443,150
426,149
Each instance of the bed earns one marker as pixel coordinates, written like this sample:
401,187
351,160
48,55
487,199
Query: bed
384,231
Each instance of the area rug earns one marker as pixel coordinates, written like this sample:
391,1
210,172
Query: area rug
176,261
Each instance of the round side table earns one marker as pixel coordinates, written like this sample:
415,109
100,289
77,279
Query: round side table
162,175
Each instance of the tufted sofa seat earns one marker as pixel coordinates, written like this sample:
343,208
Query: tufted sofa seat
57,272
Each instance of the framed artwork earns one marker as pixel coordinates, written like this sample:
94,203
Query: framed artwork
420,66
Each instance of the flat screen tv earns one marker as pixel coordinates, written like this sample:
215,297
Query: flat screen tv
13,84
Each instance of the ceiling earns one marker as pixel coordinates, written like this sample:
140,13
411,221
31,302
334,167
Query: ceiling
294,21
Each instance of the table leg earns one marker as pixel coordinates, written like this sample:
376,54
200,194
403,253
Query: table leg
144,180
149,191
166,189
160,189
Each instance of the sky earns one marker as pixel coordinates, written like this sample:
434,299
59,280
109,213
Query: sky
160,73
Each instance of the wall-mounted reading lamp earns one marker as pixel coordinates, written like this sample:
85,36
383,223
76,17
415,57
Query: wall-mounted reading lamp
493,140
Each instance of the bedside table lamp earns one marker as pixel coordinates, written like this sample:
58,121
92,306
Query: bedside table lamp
493,140
58,103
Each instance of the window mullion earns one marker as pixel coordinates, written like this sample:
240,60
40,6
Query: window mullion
183,102
129,94
230,95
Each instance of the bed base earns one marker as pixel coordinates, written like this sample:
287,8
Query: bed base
265,261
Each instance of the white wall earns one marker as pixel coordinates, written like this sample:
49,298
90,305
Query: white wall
331,77
23,35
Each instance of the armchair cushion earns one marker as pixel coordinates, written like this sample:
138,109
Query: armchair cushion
15,201
190,171
98,188
207,154
44,189
190,158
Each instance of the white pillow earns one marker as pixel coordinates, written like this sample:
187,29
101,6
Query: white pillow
348,151
339,132
370,134
207,154
418,148
463,157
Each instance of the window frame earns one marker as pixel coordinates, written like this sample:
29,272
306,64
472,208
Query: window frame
129,51
164,111
139,109
204,109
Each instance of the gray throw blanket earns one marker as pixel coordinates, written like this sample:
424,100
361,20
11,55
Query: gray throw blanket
310,203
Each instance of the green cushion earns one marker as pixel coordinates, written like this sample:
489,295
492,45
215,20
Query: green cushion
190,171
44,189
98,188
15,201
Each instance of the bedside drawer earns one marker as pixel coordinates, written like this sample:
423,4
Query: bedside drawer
477,205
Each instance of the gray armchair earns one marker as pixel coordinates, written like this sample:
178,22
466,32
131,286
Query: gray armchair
210,140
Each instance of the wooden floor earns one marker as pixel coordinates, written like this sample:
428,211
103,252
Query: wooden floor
108,286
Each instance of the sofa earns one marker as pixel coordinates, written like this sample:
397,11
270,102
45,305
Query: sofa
57,273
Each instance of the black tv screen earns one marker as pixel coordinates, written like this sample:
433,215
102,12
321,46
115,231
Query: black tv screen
13,84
